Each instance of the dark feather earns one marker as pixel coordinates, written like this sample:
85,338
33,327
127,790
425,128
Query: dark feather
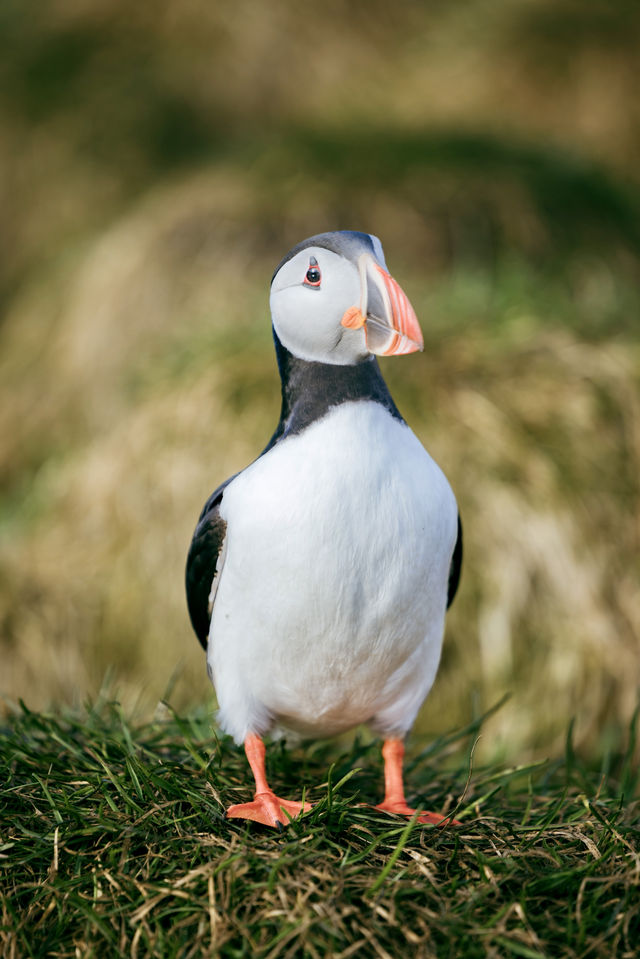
202,562
311,390
455,567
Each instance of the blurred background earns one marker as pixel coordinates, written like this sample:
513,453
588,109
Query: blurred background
157,160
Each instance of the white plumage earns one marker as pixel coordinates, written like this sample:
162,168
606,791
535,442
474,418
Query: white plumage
330,604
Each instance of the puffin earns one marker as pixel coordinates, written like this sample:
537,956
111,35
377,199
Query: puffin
319,576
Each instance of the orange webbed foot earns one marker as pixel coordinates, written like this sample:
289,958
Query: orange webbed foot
400,808
268,809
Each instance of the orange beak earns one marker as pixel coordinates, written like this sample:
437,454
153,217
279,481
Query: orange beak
390,323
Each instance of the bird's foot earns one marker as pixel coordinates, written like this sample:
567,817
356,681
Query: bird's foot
268,809
400,808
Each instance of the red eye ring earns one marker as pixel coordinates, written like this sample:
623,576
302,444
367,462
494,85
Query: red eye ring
313,276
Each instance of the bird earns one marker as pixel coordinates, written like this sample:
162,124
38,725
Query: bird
319,576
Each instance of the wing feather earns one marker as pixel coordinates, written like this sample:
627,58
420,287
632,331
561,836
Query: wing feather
455,567
204,562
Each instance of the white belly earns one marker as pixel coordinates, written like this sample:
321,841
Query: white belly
330,605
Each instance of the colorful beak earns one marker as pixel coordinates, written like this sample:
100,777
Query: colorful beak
390,323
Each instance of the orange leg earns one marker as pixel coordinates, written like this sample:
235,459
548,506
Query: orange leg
266,807
394,801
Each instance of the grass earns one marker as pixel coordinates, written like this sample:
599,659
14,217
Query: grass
113,841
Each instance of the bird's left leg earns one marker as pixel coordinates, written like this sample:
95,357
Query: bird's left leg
266,808
394,800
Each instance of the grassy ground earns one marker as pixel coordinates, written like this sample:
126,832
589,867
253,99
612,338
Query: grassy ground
113,842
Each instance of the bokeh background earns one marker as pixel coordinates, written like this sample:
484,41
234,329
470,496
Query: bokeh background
157,160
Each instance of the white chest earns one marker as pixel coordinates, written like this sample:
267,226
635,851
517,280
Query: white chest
337,556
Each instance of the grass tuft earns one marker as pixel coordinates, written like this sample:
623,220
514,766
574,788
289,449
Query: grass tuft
113,840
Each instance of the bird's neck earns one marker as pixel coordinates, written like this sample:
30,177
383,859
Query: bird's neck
310,389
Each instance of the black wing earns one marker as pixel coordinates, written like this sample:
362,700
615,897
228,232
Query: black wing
202,562
455,567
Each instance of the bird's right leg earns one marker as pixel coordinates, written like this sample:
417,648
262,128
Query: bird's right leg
394,801
266,808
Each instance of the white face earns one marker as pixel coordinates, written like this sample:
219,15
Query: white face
307,310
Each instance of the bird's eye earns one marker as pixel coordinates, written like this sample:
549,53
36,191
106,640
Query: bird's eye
313,275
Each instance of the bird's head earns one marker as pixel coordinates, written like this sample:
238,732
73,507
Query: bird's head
333,301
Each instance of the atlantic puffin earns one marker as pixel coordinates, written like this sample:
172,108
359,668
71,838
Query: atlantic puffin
318,577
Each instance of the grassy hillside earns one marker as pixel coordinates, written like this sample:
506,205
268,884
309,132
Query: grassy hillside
156,164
